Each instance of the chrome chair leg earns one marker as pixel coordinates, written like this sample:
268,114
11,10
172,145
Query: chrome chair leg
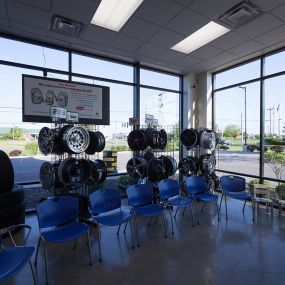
46,263
89,246
217,205
99,243
176,212
133,243
171,218
226,207
203,207
118,231
74,245
192,215
37,251
126,226
137,230
164,225
197,211
221,201
184,210
253,210
33,273
244,206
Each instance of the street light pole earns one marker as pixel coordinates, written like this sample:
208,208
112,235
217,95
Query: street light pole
245,132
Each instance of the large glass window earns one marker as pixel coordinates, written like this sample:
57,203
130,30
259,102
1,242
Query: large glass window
101,68
20,52
237,117
158,79
275,63
238,74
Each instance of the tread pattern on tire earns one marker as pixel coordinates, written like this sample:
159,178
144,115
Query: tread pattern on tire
7,173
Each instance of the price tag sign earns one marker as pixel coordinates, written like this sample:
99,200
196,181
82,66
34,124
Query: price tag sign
134,121
72,117
57,112
149,118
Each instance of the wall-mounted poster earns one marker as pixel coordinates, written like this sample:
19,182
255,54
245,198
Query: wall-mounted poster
40,94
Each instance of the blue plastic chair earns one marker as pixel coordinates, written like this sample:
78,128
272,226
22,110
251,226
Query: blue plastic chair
170,197
60,215
196,188
140,198
106,210
234,187
13,259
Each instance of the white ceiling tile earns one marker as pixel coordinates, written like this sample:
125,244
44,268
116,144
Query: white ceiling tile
3,12
119,52
220,59
229,40
98,35
28,15
159,11
62,37
272,37
126,43
42,4
29,29
279,12
260,25
184,2
206,52
195,69
139,29
247,48
212,9
268,5
187,22
81,11
94,46
3,22
149,50
170,56
166,38
187,61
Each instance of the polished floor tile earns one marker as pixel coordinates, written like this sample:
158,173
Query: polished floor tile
236,251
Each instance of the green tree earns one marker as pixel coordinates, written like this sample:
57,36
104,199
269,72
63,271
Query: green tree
15,133
231,131
276,162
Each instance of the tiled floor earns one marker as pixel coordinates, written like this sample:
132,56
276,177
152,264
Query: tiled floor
233,252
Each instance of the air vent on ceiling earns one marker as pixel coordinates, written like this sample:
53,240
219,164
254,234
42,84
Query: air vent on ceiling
65,26
240,14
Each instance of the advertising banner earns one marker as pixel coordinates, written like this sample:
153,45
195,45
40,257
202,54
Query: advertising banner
41,94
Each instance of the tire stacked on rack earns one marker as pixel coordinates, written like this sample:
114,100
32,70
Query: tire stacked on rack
12,201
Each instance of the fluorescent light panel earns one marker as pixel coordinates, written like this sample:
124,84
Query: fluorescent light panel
206,34
113,14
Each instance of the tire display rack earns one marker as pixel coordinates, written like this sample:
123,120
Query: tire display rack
201,146
153,153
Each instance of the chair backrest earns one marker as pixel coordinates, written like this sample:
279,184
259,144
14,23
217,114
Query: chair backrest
168,188
261,190
195,184
139,195
105,200
231,183
57,211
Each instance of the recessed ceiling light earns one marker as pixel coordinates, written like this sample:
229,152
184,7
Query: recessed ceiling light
114,14
206,34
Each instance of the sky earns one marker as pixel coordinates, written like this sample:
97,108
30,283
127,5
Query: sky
163,105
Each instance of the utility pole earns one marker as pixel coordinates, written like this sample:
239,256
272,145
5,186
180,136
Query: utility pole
245,131
241,138
270,110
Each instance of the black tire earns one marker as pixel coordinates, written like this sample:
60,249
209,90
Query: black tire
7,173
11,199
12,213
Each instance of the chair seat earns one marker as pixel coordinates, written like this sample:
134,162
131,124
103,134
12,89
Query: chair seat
239,195
207,197
113,218
262,200
149,210
66,233
13,259
179,201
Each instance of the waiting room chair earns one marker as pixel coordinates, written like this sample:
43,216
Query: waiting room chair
234,187
15,258
170,197
106,210
58,223
261,194
140,198
196,189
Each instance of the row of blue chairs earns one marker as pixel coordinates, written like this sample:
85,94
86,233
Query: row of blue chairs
58,216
